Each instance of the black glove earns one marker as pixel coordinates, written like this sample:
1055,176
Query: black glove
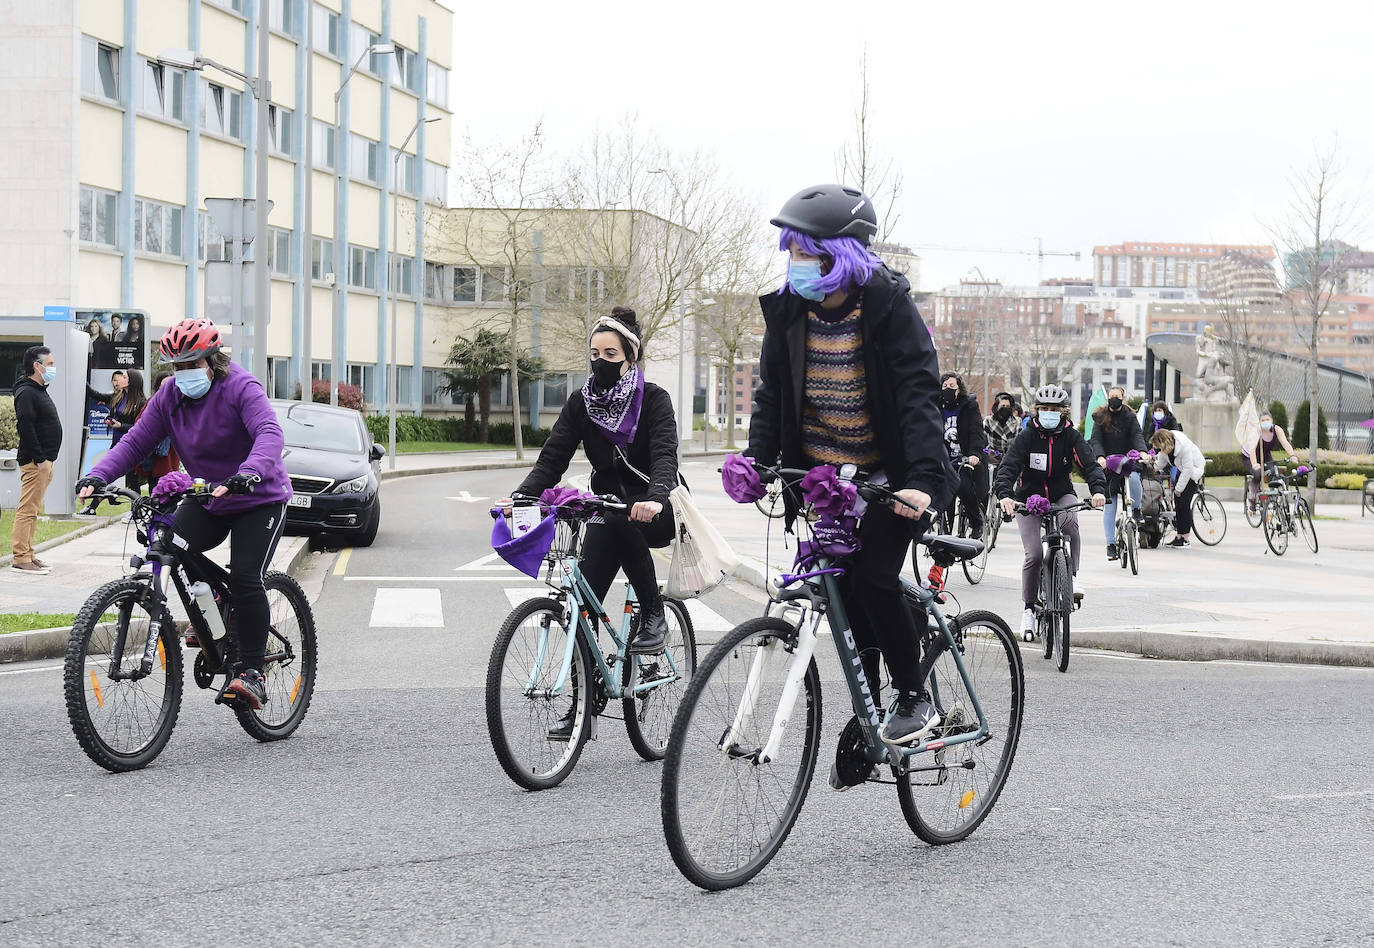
94,481
242,482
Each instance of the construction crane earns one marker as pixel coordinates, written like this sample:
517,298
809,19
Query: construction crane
1040,253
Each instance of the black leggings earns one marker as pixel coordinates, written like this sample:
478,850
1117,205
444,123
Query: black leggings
878,612
973,491
1183,509
253,539
615,542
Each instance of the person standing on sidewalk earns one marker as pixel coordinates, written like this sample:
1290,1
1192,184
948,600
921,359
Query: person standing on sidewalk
40,438
1178,451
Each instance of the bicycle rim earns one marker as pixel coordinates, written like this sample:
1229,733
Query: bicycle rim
522,708
1046,618
1209,519
1063,585
1305,525
121,724
724,815
1253,515
976,566
289,665
1133,547
1275,529
649,717
1121,543
947,804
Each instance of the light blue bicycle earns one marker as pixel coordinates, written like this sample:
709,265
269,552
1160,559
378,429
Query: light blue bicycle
549,681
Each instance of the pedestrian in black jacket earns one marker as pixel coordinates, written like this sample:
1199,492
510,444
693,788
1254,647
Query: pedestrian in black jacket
1040,461
1116,430
629,431
848,375
40,438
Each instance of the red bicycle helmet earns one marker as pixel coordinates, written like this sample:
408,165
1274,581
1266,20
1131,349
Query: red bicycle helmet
189,340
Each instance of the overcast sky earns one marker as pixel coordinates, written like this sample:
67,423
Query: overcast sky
1078,123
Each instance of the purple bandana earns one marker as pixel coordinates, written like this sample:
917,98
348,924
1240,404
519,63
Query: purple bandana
616,410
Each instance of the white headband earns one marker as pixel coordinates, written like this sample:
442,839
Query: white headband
610,322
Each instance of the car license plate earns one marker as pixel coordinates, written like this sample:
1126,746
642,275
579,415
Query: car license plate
299,500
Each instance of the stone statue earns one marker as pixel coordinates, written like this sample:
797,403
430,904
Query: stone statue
1215,383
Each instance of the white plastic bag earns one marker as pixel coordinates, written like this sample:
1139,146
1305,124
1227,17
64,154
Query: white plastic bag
702,560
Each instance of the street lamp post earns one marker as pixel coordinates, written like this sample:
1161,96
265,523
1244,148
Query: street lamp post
391,287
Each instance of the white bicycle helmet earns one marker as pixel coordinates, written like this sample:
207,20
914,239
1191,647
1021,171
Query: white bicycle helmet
1051,394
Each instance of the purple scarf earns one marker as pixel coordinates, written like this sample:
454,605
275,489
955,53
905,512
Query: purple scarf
616,410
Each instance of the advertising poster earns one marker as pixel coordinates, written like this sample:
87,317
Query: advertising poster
117,346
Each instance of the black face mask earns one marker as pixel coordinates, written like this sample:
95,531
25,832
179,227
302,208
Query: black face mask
606,373
948,396
1003,413
1114,404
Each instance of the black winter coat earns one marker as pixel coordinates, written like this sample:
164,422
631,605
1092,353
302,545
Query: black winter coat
653,451
1124,435
1040,462
903,387
968,423
40,427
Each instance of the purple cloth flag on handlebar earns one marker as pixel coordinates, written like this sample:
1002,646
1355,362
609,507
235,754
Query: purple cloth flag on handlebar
742,482
564,497
526,552
1037,505
827,494
171,484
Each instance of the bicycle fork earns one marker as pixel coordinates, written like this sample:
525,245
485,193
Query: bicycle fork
802,653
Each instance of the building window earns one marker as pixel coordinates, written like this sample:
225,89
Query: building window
555,389
98,213
432,382
362,38
212,245
464,284
436,84
281,16
324,30
321,258
221,111
281,131
406,179
164,91
408,70
493,284
435,275
322,144
235,5
362,159
99,69
403,276
321,371
362,267
402,394
436,184
279,251
157,227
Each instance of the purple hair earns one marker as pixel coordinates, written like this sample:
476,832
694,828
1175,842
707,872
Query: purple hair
851,263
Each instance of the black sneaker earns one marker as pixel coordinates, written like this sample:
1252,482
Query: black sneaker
1180,542
653,629
1138,517
1112,552
564,730
912,719
249,687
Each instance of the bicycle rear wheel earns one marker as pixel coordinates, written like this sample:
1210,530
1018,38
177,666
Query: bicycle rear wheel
770,504
649,716
1132,547
994,516
289,668
976,566
724,814
121,723
1209,518
1275,527
1121,556
1063,606
950,792
1304,517
523,707
1253,514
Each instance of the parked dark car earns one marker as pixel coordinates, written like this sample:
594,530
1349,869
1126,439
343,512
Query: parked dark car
333,463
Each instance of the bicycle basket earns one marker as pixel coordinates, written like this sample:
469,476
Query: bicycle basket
567,539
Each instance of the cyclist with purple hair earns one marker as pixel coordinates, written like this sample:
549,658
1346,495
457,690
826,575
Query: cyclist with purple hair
848,375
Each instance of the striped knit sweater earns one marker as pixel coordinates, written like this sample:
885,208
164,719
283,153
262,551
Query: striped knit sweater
836,421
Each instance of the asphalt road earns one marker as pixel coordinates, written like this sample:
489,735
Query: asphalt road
1150,802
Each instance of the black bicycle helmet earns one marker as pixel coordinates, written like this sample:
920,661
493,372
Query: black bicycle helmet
830,210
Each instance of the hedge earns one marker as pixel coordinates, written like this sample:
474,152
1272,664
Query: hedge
1222,463
410,428
9,425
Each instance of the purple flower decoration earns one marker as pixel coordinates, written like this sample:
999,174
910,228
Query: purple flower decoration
564,497
742,483
172,484
1035,504
833,537
827,494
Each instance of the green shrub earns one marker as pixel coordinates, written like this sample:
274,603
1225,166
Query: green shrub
1300,431
1280,413
1222,463
350,396
410,428
9,425
1346,481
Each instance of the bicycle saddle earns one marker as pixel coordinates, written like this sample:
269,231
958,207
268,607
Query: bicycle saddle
951,548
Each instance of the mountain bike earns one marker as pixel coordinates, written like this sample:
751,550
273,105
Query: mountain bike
124,664
548,681
1284,511
1209,516
1054,600
747,735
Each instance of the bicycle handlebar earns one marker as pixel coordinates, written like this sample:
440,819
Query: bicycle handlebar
1055,508
590,504
873,493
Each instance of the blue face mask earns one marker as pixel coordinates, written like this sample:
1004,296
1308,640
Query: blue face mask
193,382
1049,419
1159,416
805,279
49,373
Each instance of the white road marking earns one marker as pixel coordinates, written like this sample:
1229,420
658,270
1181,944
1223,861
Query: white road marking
491,561
407,608
26,671
467,498
706,619
1325,796
432,579
517,596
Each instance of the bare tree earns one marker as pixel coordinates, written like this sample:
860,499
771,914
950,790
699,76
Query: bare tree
1315,233
972,338
1041,352
860,163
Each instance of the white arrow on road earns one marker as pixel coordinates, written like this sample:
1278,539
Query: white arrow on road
466,498
489,562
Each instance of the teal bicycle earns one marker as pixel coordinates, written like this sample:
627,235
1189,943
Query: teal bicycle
549,681
747,736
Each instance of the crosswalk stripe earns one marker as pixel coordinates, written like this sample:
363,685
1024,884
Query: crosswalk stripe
706,619
517,596
407,608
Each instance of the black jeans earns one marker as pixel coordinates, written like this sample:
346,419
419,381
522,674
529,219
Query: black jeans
616,542
973,491
1183,509
253,536
878,612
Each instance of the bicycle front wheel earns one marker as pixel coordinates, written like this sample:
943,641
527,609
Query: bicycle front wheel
1063,606
725,813
121,719
947,794
649,714
289,667
1132,547
976,566
1254,513
1304,517
1275,527
538,723
1209,518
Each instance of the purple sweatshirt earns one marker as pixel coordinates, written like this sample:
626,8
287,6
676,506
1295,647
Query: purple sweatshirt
230,428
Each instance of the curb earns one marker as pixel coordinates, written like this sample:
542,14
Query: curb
79,532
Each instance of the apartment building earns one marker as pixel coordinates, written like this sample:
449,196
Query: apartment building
1166,264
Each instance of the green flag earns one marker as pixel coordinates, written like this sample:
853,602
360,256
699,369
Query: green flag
1097,401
